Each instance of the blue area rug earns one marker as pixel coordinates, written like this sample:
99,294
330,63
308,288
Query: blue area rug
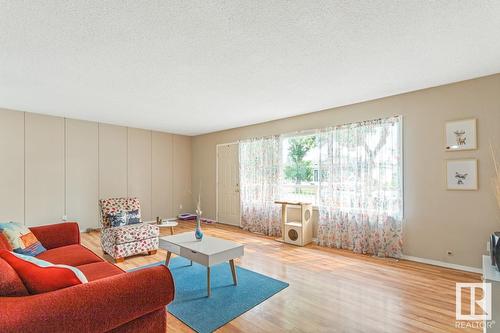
227,301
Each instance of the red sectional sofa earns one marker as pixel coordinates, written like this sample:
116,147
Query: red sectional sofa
112,300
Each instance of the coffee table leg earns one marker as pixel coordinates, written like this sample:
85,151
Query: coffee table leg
167,261
233,271
171,230
208,281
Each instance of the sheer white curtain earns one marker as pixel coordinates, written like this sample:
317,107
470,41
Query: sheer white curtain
360,194
260,170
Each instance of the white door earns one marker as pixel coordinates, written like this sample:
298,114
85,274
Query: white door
228,190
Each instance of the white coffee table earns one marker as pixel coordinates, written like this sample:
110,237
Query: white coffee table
208,252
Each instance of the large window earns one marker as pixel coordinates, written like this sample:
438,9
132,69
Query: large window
352,172
358,165
300,174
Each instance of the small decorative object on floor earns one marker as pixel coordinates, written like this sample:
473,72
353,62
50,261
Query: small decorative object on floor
198,233
186,217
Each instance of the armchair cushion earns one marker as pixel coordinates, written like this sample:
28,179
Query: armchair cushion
131,233
132,248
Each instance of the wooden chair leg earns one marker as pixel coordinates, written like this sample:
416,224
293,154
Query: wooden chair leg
118,260
151,252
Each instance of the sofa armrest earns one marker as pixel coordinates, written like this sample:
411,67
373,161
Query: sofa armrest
97,306
57,235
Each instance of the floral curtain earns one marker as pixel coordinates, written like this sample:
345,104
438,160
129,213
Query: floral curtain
259,185
360,194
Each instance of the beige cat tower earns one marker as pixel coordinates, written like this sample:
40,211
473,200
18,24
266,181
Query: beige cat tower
296,232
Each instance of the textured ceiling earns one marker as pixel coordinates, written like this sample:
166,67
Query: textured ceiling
193,67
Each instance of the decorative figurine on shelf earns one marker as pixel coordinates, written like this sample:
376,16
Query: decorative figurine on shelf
198,233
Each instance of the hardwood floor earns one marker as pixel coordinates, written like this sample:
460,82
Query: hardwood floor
330,290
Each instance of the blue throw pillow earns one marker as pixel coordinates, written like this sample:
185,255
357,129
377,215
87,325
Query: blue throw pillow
118,219
133,217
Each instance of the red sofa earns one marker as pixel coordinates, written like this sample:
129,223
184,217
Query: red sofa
112,300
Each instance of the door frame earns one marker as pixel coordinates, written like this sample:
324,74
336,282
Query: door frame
217,179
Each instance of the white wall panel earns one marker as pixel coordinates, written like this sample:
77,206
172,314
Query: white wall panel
139,169
162,175
44,174
82,173
183,201
112,161
11,166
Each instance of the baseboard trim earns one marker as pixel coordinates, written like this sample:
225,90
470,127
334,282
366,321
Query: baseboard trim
443,264
435,262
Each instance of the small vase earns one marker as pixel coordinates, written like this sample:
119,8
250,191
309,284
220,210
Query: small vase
198,233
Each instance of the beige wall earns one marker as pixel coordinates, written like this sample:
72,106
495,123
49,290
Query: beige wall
12,166
44,198
436,220
52,166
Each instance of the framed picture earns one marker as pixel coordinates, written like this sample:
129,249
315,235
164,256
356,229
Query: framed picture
461,174
461,135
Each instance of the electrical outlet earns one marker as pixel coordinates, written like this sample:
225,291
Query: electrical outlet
180,206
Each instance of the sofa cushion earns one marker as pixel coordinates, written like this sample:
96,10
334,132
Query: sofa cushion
57,235
130,233
99,270
40,276
21,239
10,283
72,255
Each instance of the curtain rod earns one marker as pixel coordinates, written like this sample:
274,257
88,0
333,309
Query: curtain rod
319,129
363,121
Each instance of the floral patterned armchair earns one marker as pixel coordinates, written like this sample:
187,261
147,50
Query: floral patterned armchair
126,240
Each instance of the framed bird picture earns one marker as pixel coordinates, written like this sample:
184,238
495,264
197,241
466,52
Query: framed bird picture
461,135
461,174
